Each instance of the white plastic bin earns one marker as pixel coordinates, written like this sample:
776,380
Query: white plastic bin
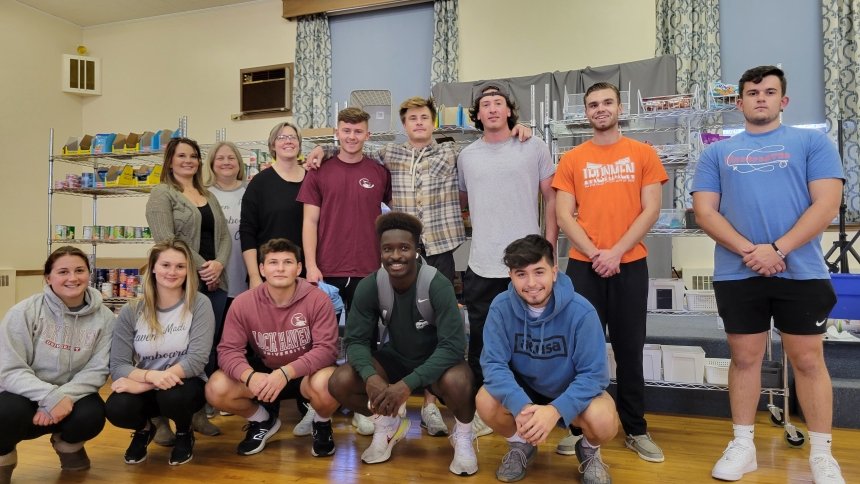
683,364
652,366
717,371
610,360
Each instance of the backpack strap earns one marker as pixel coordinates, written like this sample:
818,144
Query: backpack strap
422,292
385,293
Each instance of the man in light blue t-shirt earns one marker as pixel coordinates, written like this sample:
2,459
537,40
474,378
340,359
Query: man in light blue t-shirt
765,196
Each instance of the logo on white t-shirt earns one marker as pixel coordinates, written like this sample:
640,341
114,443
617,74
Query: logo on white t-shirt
365,183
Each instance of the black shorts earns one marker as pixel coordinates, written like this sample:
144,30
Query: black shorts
797,306
536,397
395,370
291,390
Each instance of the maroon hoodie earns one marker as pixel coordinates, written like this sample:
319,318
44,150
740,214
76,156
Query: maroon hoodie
303,332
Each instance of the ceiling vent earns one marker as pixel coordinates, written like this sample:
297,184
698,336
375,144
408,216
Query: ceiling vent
82,75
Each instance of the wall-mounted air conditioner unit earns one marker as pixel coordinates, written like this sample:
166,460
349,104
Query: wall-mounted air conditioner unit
266,89
82,75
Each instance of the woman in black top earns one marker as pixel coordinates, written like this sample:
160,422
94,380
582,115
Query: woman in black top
269,207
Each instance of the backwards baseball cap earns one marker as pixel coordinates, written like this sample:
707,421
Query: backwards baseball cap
493,88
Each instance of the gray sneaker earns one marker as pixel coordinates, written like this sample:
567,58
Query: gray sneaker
593,470
306,424
164,435
201,424
514,463
645,447
567,445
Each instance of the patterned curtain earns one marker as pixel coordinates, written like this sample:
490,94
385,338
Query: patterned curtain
690,30
446,43
841,27
312,80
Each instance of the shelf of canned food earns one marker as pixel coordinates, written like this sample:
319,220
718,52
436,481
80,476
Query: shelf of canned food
106,241
116,301
117,191
150,158
102,234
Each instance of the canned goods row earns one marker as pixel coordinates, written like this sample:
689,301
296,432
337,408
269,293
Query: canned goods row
64,232
115,232
121,289
119,282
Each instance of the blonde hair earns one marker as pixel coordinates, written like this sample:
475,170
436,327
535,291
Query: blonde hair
417,102
148,304
210,161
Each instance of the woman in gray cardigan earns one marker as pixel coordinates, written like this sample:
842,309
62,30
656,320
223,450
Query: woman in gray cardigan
181,207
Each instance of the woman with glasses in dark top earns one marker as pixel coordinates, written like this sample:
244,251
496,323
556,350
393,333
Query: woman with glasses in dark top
269,206
181,207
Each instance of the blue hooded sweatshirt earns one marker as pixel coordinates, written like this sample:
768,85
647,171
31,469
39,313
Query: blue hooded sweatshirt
561,355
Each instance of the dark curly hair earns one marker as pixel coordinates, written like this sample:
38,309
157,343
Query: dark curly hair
399,221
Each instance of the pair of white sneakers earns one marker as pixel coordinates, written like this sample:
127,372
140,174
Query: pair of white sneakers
390,430
739,458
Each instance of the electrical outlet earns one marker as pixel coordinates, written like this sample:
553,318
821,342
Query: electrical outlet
720,323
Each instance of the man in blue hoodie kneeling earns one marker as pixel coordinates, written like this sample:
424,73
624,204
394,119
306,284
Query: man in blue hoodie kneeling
544,363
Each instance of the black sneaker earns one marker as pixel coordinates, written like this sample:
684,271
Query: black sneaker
183,449
257,435
323,441
140,439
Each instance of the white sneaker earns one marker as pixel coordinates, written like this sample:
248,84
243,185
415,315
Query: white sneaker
431,419
479,428
306,424
825,470
737,460
465,462
363,425
384,438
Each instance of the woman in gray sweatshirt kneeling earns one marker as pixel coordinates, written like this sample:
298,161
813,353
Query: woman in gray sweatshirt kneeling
54,350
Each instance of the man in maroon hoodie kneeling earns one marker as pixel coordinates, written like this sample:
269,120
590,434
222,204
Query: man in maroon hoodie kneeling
279,341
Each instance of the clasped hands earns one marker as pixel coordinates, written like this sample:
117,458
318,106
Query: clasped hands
763,259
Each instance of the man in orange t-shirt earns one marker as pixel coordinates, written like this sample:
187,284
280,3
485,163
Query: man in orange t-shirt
609,193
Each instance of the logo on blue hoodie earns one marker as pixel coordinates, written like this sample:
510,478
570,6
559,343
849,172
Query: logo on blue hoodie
542,349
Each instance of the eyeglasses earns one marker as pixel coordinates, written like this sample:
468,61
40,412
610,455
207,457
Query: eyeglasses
286,137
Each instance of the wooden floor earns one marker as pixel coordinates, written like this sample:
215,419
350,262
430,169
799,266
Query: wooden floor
691,446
